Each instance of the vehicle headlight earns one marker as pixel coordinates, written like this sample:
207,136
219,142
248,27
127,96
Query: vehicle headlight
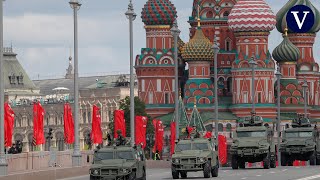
202,160
175,160
125,170
95,171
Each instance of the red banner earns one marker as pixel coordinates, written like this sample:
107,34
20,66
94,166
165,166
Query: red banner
208,135
38,132
173,136
8,124
141,130
158,133
222,140
119,123
96,134
68,124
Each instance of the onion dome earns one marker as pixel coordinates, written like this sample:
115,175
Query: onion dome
199,48
251,16
282,15
158,12
286,51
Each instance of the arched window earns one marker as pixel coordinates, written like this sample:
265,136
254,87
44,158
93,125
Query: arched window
84,117
229,84
228,44
30,142
220,127
229,127
60,141
89,117
20,78
12,78
195,71
289,72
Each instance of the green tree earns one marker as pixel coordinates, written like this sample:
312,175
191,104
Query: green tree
139,109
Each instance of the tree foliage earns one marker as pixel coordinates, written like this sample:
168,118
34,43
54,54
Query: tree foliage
139,110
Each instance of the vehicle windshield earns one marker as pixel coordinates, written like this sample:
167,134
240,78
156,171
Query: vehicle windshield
183,147
125,155
103,156
241,134
200,146
299,134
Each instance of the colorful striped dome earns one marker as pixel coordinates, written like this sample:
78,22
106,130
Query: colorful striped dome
251,16
282,14
286,51
158,12
198,49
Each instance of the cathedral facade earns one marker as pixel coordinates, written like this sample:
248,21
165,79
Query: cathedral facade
241,29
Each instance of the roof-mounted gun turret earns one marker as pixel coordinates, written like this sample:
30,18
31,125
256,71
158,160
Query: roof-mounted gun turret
253,120
301,121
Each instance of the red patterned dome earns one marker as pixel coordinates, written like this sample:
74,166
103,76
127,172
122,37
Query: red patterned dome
158,12
251,16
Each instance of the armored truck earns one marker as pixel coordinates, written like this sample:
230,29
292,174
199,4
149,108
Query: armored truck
300,142
195,154
118,162
253,142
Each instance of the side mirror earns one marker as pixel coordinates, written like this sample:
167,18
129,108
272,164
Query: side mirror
88,159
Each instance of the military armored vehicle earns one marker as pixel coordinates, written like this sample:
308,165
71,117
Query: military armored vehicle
253,142
195,154
300,142
118,162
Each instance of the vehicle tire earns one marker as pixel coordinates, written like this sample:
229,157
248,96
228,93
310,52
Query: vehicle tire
242,164
92,178
132,176
290,162
318,161
266,161
184,174
215,171
175,173
283,160
273,163
207,170
234,162
312,159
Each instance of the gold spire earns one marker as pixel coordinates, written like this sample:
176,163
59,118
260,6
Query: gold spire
199,16
195,102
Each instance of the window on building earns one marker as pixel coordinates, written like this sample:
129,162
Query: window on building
12,78
56,121
173,83
247,50
203,71
270,97
84,117
89,117
289,71
245,97
166,98
142,85
228,45
226,14
220,127
195,71
229,84
47,121
154,42
20,78
222,62
159,85
229,127
150,97
259,97
303,53
228,62
257,49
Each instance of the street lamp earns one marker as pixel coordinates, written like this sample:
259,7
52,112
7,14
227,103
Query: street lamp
253,64
131,15
3,162
175,33
216,50
305,86
76,157
278,75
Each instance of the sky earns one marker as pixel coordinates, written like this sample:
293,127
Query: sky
41,33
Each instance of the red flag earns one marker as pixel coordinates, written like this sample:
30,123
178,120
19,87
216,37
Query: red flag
159,137
8,124
119,123
173,136
208,135
68,124
222,140
141,130
38,115
96,134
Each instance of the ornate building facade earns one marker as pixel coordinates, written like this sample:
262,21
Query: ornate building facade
242,29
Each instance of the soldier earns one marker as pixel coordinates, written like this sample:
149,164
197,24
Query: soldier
157,155
120,140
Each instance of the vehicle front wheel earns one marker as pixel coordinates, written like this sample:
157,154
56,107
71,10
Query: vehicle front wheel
215,171
313,159
318,161
283,160
183,174
234,162
175,173
93,178
266,161
207,170
132,176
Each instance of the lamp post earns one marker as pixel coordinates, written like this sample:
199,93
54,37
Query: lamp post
131,15
278,75
253,64
175,33
305,86
3,162
216,50
76,157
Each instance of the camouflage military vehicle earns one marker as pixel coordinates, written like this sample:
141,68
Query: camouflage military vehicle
253,142
300,142
195,154
118,162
